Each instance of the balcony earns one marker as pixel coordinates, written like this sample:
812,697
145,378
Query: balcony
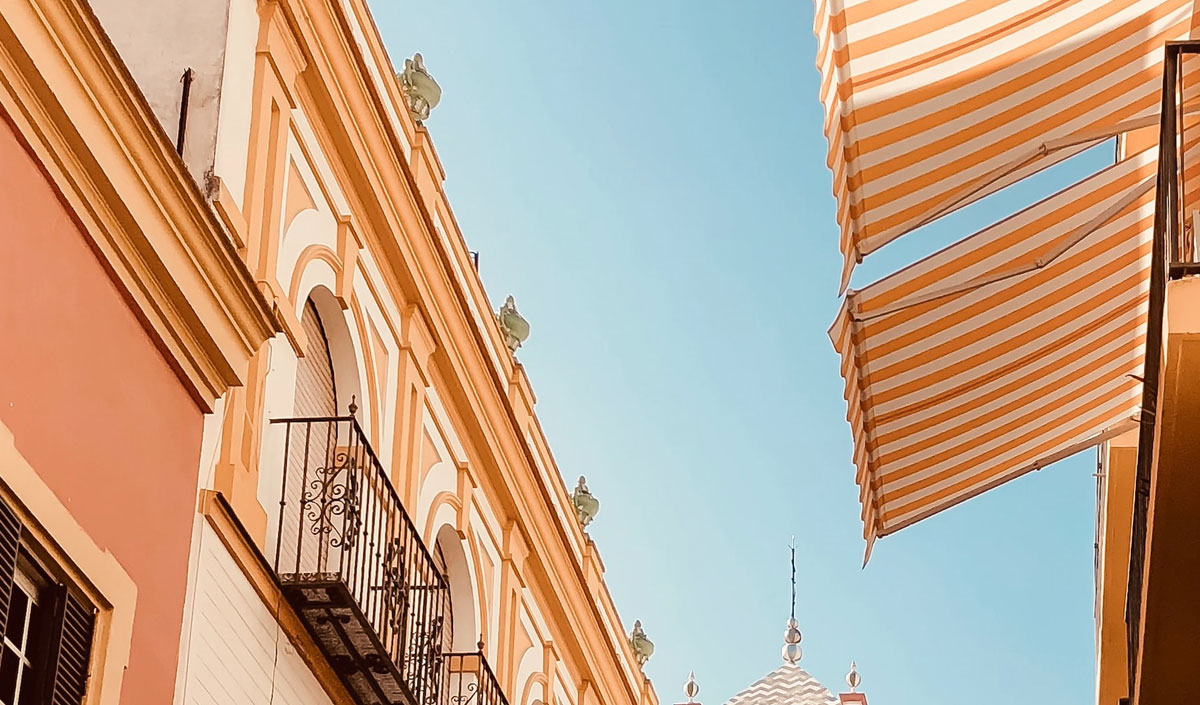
354,567
470,681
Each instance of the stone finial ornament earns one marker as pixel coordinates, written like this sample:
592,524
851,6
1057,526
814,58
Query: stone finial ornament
420,90
586,504
643,648
853,679
514,327
792,653
691,689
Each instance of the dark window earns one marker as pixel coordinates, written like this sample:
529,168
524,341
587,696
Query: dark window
29,611
47,629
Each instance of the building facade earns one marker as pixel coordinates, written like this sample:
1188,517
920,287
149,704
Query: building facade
302,463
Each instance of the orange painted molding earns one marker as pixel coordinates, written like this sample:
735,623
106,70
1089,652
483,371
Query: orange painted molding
289,321
466,490
278,44
520,391
84,119
417,339
307,255
515,547
348,244
230,214
423,145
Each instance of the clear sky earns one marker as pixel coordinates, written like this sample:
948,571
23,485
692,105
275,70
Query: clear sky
648,180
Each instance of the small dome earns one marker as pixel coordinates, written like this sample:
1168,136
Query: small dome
787,685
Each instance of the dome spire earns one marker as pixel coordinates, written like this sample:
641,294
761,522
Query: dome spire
792,546
792,653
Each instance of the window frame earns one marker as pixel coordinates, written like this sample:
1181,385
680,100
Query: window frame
32,659
60,657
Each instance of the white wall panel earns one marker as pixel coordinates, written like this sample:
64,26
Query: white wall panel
237,654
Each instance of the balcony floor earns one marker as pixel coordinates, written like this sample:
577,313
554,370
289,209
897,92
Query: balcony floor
347,638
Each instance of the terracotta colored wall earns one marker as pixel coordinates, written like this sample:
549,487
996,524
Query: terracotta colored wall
96,410
1113,649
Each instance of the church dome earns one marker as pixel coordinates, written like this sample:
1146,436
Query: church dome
787,685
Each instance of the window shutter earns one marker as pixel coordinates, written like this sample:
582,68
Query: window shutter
10,539
71,650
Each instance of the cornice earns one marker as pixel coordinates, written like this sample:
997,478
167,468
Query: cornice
81,114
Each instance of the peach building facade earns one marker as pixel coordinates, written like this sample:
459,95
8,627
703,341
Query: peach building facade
306,467
140,416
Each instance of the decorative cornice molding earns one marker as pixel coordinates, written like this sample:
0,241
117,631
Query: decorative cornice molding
278,44
417,338
80,113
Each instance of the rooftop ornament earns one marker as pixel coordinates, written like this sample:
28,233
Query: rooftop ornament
586,504
691,689
853,679
792,653
514,327
419,88
643,648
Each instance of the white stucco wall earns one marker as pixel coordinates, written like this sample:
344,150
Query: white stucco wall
236,100
158,41
236,651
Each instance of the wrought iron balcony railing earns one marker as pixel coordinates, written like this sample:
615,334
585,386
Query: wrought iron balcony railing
354,567
470,681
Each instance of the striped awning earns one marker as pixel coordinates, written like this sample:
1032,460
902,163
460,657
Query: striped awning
932,104
1002,353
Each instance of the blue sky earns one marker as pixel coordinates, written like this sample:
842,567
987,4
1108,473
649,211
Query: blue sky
648,180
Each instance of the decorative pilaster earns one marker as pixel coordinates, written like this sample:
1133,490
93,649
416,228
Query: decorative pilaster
465,490
418,345
549,663
514,552
236,472
277,64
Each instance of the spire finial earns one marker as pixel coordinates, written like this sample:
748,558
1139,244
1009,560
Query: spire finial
792,653
691,689
852,678
792,546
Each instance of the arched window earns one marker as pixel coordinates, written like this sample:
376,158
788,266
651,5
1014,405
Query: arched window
462,634
316,388
312,457
439,561
324,387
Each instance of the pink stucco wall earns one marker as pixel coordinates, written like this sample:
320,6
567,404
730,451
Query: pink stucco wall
96,410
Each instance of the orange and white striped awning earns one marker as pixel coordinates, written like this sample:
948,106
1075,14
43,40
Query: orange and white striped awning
932,104
1002,353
